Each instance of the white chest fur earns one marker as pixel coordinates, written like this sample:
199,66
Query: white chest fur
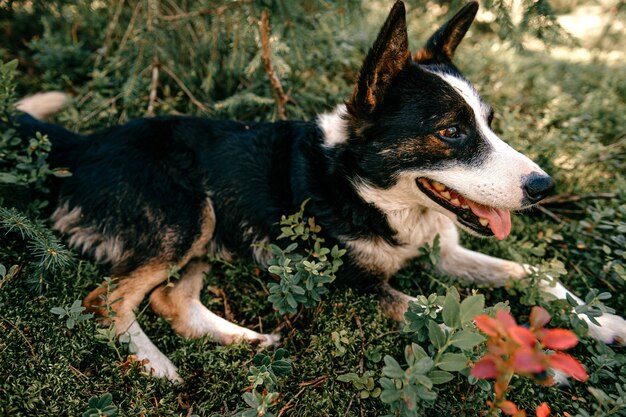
413,223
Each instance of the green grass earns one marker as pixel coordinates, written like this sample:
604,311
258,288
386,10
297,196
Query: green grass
567,114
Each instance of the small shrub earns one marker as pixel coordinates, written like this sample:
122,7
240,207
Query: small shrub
303,274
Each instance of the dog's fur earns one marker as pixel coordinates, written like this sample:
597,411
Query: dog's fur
170,190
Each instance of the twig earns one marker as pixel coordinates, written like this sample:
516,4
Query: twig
154,84
289,404
362,355
349,405
206,12
17,329
550,214
183,87
131,26
228,315
110,29
279,94
313,383
571,198
78,373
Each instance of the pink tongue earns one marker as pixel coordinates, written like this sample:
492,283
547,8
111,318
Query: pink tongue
499,220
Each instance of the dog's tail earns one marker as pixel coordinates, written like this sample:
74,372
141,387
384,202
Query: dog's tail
66,146
42,105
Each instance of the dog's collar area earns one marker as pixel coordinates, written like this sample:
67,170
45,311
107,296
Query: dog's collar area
484,220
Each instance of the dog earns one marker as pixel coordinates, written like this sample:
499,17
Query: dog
410,155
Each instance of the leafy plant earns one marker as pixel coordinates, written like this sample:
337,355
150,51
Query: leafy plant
303,274
449,350
265,372
74,314
364,383
101,406
108,334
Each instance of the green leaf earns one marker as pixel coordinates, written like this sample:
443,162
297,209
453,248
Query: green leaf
7,178
105,400
471,307
58,310
424,380
422,366
436,335
466,339
451,309
452,362
440,377
392,368
426,394
349,377
276,270
282,367
10,66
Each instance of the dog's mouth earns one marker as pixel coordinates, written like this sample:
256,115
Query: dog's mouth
484,220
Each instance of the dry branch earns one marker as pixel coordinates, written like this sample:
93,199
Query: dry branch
205,12
279,94
228,315
183,87
571,198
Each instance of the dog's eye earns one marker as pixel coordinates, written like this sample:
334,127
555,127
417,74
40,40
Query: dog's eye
452,132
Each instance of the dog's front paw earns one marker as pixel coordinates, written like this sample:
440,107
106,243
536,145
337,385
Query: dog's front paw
612,328
264,340
162,367
270,340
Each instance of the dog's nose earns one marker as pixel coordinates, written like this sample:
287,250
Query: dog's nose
538,186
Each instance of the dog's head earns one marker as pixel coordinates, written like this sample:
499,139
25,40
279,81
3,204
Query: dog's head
417,132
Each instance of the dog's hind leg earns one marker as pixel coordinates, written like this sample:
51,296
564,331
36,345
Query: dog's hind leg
123,299
476,267
179,303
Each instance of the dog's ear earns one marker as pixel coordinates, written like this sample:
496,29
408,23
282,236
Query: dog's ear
442,44
387,57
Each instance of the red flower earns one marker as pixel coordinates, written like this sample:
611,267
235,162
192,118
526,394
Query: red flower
485,368
539,317
513,349
488,325
559,339
566,363
523,336
528,362
543,410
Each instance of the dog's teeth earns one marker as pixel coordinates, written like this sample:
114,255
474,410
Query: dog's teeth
455,202
483,221
438,186
465,206
445,194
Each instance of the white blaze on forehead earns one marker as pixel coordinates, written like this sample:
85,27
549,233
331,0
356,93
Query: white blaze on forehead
334,126
497,181
469,93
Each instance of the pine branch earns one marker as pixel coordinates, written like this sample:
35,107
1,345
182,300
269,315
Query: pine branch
51,254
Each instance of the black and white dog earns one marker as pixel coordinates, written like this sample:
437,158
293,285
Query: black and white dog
409,156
